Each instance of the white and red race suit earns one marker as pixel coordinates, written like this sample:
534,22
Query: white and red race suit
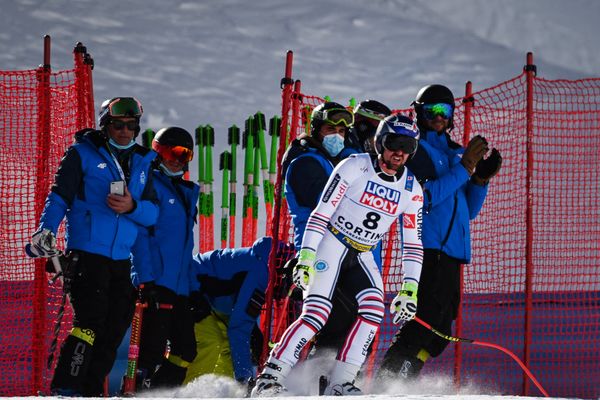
359,204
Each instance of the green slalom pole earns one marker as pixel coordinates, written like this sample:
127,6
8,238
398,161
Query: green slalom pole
209,140
255,186
201,217
225,166
147,137
259,121
233,139
248,145
352,103
274,129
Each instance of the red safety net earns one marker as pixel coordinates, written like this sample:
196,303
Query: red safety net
40,110
533,286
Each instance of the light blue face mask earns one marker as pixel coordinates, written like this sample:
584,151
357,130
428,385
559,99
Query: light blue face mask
168,172
120,146
333,144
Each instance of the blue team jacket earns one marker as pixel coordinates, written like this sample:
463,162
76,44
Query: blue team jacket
163,252
80,189
451,199
298,212
240,279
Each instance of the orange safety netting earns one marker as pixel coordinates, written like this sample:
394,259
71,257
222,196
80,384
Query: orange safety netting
533,285
39,113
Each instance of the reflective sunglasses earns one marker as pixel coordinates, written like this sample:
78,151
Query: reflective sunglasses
173,153
337,116
431,111
125,107
119,125
407,144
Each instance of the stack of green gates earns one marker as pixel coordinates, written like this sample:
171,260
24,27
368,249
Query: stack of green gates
257,167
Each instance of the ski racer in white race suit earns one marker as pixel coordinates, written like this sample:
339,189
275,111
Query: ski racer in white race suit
363,197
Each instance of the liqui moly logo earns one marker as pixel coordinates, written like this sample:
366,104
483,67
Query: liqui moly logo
381,197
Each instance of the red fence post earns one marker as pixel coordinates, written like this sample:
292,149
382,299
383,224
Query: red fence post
42,183
286,94
468,101
83,84
530,70
296,100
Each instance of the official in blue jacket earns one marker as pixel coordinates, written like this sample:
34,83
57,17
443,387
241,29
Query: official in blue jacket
455,183
232,283
163,268
103,187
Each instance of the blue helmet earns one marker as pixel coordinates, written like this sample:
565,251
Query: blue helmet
397,132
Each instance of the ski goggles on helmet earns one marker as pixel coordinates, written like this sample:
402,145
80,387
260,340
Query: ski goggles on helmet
365,112
337,116
125,107
393,142
119,125
444,110
173,153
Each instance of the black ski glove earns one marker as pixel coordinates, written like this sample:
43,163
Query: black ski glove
487,168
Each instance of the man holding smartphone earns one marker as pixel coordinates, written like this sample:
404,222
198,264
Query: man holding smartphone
101,229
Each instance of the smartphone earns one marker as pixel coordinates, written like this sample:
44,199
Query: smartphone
117,187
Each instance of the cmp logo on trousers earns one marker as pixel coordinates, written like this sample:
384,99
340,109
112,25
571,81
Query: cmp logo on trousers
380,198
77,359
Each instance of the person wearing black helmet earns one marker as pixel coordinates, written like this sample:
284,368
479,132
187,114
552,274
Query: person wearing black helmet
309,160
163,268
363,197
103,188
367,115
455,181
307,164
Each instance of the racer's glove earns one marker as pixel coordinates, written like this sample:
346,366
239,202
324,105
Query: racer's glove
404,305
304,272
43,244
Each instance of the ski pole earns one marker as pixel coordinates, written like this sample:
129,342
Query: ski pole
233,138
486,344
134,348
133,352
59,275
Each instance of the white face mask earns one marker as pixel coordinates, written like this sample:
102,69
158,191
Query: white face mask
333,144
168,172
120,146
